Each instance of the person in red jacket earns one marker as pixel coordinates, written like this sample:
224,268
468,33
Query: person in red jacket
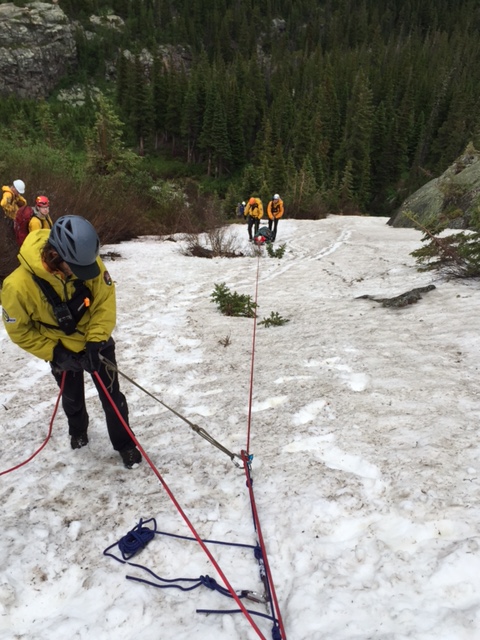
275,212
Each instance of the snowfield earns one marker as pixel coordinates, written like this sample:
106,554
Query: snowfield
363,431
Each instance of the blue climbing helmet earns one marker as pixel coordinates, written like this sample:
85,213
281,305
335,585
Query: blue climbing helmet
78,244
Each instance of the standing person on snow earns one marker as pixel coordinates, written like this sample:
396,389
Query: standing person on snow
253,213
12,199
275,212
241,209
59,305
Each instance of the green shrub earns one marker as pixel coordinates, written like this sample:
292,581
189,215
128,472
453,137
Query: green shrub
233,303
279,252
274,320
457,254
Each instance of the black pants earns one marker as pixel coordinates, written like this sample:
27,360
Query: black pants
273,223
73,401
252,222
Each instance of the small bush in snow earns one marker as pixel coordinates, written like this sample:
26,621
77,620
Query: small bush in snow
275,320
233,303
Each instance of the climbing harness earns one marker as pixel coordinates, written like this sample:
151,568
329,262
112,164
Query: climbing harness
67,313
201,432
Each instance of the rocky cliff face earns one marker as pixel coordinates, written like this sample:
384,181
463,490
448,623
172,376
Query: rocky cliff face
37,48
455,196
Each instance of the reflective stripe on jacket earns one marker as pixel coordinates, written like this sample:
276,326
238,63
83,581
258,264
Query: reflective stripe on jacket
25,307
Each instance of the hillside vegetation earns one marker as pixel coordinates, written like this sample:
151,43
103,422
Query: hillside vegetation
339,107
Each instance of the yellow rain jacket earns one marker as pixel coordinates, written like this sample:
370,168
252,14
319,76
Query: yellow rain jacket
275,209
11,203
39,222
25,306
254,210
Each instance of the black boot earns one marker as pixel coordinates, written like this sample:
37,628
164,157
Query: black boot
79,441
131,456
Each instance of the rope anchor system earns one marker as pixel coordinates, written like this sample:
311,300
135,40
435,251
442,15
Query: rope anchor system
269,598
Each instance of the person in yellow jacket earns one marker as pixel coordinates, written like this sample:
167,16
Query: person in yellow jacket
28,219
253,213
41,215
275,211
59,305
12,198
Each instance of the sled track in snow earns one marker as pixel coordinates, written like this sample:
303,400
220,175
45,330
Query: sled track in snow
302,255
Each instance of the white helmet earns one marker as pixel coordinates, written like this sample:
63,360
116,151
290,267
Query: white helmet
276,197
244,203
19,186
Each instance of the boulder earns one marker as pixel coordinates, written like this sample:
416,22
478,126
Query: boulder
455,196
37,49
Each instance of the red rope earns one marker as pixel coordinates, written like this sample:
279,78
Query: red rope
261,543
180,510
2,473
245,456
249,420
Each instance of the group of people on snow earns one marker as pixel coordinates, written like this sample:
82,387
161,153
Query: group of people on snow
59,305
253,212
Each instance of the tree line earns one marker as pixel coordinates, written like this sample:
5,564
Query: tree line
342,107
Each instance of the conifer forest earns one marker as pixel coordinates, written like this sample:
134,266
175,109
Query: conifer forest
340,106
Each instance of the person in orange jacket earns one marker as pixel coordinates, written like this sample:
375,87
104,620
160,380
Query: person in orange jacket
253,213
275,211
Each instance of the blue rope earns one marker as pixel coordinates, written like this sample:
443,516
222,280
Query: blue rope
205,581
136,539
228,544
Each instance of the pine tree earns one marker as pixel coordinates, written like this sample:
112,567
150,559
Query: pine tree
106,153
234,111
357,138
141,117
159,100
175,90
219,142
48,126
194,107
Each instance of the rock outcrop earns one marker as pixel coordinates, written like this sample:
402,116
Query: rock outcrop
37,49
455,196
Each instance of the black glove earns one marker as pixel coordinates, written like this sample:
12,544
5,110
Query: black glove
91,360
65,360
